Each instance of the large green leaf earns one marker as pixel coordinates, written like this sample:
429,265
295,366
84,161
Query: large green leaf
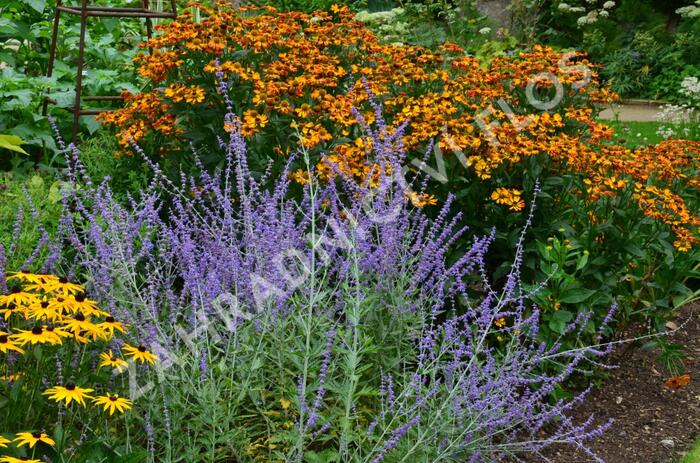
38,5
12,143
575,296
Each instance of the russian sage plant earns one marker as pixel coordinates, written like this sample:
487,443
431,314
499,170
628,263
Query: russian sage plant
328,327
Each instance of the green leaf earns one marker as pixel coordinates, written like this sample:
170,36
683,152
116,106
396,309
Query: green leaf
38,5
575,296
12,143
559,320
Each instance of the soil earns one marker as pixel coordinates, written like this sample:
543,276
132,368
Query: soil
653,423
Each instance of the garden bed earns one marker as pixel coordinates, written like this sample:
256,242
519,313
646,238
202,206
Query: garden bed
652,422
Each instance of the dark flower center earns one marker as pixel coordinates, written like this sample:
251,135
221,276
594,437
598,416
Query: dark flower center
113,359
4,339
63,280
113,398
49,329
110,320
60,299
70,387
80,317
36,435
142,348
37,330
80,297
44,304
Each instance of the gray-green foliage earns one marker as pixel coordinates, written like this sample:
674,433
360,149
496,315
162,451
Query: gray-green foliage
19,196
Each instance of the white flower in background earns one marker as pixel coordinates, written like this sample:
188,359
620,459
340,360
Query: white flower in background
604,14
692,11
609,4
485,30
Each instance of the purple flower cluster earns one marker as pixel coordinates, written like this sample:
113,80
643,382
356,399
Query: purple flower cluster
224,246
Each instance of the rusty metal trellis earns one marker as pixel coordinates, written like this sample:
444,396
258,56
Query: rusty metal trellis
86,10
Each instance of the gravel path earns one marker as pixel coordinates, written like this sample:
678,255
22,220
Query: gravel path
632,112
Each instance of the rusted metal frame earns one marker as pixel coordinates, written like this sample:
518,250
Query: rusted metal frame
130,13
79,76
52,52
86,11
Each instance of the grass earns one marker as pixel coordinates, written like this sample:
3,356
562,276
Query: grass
634,134
693,456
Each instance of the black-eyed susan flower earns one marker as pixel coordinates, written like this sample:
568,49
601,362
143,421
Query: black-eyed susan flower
80,324
4,442
110,325
69,392
63,287
32,278
140,354
9,459
18,297
43,311
37,335
61,333
62,305
109,360
31,439
113,402
80,303
7,344
12,309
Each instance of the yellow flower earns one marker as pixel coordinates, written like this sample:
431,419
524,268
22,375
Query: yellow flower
43,310
7,344
113,402
33,278
501,322
110,361
17,297
4,442
11,309
9,459
140,354
421,200
68,393
110,325
37,335
63,287
31,439
509,198
79,324
80,303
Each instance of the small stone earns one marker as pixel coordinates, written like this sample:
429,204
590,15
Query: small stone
668,443
618,400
